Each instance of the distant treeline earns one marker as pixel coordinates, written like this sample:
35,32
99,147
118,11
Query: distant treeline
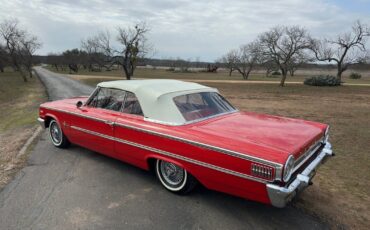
178,63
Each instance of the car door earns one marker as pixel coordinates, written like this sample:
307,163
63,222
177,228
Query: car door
93,128
132,115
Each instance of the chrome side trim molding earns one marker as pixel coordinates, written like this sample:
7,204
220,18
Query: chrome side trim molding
165,153
77,114
278,167
211,147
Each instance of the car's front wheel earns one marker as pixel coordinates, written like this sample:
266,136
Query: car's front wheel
57,136
174,178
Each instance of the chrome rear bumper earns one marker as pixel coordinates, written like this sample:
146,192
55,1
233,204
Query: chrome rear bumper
280,196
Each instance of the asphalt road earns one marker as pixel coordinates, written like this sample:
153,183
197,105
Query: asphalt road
80,189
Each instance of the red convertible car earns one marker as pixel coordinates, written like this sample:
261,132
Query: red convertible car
188,134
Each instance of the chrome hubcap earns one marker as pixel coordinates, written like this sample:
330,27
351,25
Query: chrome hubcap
172,174
55,133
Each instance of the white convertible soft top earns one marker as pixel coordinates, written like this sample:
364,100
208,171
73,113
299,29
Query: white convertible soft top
156,97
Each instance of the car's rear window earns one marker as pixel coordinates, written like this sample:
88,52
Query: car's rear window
201,105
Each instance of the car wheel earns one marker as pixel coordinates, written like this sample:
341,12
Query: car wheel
174,178
57,136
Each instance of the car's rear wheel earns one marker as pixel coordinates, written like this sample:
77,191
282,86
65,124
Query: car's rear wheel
57,136
174,178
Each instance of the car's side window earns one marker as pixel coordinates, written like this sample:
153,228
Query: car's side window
132,105
107,98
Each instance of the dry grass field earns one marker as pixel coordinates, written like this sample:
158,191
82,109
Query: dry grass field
220,75
19,102
340,192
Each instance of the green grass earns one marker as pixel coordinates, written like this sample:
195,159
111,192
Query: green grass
19,100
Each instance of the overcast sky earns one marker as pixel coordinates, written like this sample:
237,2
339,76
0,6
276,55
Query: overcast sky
181,28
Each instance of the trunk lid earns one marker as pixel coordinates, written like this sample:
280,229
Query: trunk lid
261,135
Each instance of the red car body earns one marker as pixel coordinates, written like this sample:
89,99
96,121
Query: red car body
241,153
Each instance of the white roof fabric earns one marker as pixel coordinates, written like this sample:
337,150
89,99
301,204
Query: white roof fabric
156,97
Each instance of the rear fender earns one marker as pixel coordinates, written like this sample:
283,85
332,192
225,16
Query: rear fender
168,159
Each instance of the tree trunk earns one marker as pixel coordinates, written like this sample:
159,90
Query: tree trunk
247,74
230,72
23,76
1,69
243,73
268,71
128,76
125,70
284,73
340,71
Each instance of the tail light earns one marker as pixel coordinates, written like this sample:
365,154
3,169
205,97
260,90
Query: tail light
262,171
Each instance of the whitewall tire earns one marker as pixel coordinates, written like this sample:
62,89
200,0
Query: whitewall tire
57,136
174,178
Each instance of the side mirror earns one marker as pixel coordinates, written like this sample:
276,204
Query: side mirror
79,104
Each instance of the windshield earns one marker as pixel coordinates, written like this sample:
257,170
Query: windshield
202,105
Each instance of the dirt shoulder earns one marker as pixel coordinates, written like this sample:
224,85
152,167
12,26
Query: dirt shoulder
19,103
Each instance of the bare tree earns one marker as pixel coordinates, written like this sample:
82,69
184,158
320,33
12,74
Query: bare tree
282,44
19,45
347,49
29,46
269,66
133,46
184,65
73,59
230,60
99,51
54,60
91,48
297,61
212,68
11,36
247,57
3,58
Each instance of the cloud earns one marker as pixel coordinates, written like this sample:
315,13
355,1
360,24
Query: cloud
184,28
